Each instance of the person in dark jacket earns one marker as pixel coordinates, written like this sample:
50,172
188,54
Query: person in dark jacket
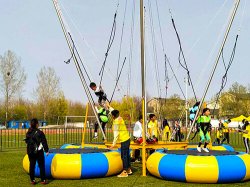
36,146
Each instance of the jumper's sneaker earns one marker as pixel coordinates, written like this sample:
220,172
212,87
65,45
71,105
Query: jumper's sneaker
33,182
44,182
123,174
95,137
137,160
199,149
206,150
129,171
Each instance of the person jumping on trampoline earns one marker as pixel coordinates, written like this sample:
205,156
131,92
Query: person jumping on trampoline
204,127
193,111
99,92
121,134
103,118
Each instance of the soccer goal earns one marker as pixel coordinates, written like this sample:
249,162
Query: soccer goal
78,121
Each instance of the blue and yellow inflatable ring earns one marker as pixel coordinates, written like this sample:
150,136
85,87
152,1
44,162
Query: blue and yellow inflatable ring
79,163
191,166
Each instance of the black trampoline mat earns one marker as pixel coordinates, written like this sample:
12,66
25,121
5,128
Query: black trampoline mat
196,153
78,151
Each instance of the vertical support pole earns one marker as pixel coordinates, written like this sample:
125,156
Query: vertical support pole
186,104
143,89
85,124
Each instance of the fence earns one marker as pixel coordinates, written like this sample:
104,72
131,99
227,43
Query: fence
14,138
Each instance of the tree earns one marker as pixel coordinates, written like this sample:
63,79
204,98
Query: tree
12,78
235,102
48,88
57,108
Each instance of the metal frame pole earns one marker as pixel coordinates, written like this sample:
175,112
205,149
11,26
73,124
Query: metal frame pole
236,5
84,83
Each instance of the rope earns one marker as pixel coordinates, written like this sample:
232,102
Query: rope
181,53
119,56
166,75
154,50
175,77
131,48
164,53
110,74
118,79
224,77
110,42
78,55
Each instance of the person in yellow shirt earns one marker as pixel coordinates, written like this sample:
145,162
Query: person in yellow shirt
246,135
121,134
219,135
226,131
166,130
153,129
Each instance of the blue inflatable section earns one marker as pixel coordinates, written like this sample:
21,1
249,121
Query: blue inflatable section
48,160
91,163
171,169
228,147
226,174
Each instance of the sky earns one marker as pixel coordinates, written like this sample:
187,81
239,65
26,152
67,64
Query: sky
31,29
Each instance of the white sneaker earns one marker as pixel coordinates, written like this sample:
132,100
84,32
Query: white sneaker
95,137
199,149
206,150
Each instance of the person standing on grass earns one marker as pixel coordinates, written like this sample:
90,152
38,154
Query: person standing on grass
166,130
121,134
153,129
226,131
246,135
137,133
36,146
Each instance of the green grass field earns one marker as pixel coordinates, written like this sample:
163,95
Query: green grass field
12,175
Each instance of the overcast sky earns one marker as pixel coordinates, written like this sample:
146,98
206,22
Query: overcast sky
31,29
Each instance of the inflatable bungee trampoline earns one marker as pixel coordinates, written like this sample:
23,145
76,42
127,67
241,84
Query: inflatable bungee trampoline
75,163
192,166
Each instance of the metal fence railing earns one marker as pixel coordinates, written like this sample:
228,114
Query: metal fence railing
14,138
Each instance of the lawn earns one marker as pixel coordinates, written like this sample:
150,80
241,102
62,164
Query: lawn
12,175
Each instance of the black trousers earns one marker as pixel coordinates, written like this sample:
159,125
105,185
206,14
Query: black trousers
39,157
178,136
137,154
125,154
226,137
246,143
103,126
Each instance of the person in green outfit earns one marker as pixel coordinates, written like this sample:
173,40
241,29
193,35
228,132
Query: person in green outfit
204,128
103,118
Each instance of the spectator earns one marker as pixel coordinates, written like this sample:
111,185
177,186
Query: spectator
121,134
36,145
178,132
226,131
166,130
137,133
